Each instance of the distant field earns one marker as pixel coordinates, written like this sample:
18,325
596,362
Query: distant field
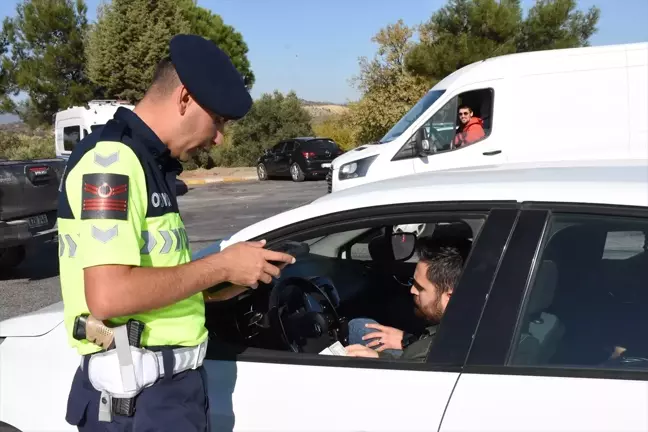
322,112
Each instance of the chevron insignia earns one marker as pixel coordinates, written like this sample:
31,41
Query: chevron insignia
104,236
106,161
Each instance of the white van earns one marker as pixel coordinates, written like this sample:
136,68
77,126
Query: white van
568,104
73,124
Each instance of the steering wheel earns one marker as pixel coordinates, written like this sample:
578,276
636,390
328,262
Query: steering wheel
304,311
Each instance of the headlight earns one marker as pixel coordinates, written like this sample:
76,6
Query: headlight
356,169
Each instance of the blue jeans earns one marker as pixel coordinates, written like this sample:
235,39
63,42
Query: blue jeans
357,330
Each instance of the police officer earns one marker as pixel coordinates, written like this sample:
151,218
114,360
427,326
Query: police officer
124,251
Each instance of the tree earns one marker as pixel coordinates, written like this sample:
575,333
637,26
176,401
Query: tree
555,24
130,36
42,49
389,90
203,22
380,108
466,31
126,43
462,32
272,118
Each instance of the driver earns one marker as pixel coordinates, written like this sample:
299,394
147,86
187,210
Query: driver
436,275
471,128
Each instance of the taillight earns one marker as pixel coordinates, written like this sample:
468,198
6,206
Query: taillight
308,154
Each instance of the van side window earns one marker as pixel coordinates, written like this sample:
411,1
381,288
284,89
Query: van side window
464,120
71,136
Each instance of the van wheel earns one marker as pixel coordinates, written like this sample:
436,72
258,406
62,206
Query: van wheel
12,257
296,172
262,172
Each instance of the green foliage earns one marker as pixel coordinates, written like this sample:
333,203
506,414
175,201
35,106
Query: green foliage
389,89
131,36
42,55
128,40
340,129
17,146
272,118
556,24
466,31
211,26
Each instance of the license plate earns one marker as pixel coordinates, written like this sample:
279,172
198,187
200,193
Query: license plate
326,165
37,221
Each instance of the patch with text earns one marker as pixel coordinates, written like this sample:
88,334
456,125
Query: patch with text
104,196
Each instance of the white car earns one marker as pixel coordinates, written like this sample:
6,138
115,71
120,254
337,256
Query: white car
546,330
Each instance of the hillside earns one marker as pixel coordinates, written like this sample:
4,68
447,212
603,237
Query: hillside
320,111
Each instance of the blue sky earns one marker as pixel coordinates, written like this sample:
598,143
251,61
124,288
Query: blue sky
312,47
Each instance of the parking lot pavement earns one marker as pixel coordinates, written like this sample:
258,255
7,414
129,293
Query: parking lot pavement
210,212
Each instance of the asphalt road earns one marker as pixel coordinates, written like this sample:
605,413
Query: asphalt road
210,212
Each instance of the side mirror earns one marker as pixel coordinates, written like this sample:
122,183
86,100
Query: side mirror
181,187
421,145
403,245
266,152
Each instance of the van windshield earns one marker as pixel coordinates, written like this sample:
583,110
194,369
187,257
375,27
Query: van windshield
421,106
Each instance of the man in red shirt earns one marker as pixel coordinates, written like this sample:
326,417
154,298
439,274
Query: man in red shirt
470,130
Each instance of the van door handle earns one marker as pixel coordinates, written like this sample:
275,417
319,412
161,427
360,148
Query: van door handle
492,153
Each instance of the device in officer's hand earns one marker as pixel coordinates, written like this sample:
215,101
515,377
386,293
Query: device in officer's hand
293,248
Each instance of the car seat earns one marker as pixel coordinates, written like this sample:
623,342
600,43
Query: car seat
542,331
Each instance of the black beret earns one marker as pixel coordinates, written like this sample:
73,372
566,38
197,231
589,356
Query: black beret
210,76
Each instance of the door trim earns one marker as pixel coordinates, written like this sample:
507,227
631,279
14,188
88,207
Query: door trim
490,243
496,335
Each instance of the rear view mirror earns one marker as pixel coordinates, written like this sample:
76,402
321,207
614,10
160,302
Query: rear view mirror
403,245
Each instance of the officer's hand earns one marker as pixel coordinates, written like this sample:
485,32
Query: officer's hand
246,263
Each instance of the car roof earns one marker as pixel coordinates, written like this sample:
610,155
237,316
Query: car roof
608,182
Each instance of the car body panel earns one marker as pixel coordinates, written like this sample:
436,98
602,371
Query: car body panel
475,390
550,182
516,403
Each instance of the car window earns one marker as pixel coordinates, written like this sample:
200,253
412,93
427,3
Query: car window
370,283
290,147
323,145
587,302
464,120
71,136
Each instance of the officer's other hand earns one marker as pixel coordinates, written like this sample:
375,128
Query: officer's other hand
246,263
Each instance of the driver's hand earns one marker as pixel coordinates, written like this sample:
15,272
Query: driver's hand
389,337
357,350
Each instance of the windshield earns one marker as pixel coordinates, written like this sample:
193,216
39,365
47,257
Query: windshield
411,116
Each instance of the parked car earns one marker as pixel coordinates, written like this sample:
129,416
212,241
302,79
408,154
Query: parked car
298,158
28,205
545,330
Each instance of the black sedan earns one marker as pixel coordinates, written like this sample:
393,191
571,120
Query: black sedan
298,158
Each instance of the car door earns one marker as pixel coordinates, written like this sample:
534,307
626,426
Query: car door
562,342
441,129
273,157
282,158
255,389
